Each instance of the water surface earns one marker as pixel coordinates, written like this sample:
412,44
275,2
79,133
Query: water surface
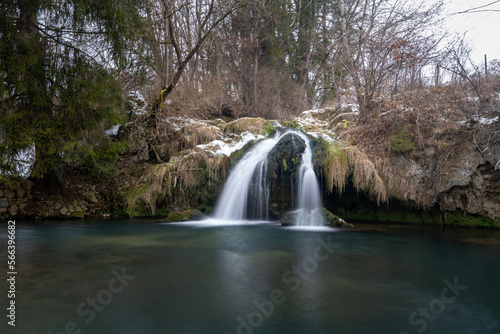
255,278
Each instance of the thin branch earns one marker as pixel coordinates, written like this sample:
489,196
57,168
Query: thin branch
475,9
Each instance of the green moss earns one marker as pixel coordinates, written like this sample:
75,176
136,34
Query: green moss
184,216
402,143
382,215
237,155
269,128
285,166
345,124
459,219
131,201
292,124
78,215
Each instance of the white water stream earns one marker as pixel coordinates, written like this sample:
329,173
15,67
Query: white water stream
233,201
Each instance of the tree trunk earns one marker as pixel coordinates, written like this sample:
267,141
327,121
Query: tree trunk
47,167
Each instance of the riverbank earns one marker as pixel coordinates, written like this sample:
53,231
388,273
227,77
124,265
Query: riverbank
406,165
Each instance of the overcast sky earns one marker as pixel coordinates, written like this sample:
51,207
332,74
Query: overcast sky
482,27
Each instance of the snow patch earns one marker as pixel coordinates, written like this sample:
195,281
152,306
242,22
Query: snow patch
224,148
353,106
487,121
483,120
113,131
135,96
313,111
386,112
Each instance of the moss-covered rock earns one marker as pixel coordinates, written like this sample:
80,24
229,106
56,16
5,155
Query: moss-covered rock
330,219
256,126
77,215
185,216
320,216
283,167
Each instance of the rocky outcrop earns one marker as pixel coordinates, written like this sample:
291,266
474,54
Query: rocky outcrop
442,171
478,194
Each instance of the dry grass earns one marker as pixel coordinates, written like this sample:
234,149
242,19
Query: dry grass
340,163
365,175
195,134
336,168
253,125
170,182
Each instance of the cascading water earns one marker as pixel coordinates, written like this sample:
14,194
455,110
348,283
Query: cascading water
246,192
309,194
232,203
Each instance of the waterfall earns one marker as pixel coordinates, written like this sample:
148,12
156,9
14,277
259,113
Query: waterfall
233,201
246,192
309,192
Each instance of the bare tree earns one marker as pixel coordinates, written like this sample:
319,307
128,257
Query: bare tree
380,39
187,25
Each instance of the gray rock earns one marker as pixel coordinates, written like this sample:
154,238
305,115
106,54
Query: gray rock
9,193
13,210
21,192
317,217
4,202
90,197
63,211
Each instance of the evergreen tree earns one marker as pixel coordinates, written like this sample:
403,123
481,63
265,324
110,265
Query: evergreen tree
58,65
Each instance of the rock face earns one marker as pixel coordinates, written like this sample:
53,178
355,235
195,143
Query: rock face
465,182
480,195
319,216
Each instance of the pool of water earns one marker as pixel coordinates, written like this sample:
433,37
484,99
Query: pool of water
215,277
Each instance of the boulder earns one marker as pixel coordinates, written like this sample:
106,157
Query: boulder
4,203
76,214
9,193
184,216
283,166
330,219
318,217
21,192
90,197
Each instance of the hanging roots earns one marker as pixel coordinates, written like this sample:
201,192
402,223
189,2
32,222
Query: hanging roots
340,163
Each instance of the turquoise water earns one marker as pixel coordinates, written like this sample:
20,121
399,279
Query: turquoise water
258,278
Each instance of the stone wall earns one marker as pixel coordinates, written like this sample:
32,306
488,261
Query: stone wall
79,198
14,198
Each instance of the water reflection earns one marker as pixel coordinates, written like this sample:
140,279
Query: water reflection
194,279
